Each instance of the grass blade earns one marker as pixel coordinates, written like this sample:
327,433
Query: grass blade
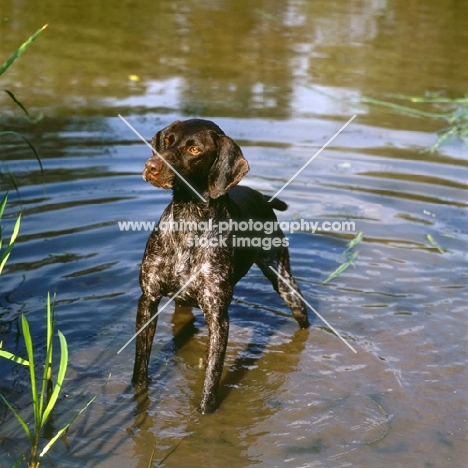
4,256
64,428
353,242
435,244
18,103
6,253
2,208
437,100
60,378
31,147
7,172
342,267
404,109
12,357
3,204
15,230
18,417
32,371
18,462
47,375
22,48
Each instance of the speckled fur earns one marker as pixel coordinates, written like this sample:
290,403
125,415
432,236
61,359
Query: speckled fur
169,262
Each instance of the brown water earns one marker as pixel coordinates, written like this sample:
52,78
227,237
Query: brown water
280,78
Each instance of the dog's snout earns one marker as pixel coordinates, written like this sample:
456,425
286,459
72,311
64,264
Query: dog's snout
156,173
154,165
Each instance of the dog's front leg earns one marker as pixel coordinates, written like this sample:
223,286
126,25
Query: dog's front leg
218,330
147,307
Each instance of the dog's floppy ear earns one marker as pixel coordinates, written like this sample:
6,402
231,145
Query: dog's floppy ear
228,169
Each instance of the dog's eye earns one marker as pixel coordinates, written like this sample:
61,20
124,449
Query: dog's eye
167,141
194,150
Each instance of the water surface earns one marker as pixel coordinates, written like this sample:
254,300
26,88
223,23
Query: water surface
280,78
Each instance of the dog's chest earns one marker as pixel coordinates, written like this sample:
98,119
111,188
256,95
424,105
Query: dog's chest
182,252
179,254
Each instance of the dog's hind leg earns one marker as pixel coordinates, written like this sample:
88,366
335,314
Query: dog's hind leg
283,282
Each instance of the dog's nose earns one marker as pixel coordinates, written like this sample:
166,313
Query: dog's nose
154,165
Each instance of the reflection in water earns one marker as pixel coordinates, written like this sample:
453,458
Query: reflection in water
228,58
199,435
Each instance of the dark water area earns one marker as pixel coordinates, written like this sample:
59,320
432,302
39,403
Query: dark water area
280,78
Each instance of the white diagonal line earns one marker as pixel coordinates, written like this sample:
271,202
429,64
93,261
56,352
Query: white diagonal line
312,158
158,312
154,151
316,313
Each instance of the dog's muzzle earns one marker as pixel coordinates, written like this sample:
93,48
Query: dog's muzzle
157,173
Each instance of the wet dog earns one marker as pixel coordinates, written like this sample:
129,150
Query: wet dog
202,166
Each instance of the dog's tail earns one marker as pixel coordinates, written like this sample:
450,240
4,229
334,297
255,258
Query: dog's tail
277,204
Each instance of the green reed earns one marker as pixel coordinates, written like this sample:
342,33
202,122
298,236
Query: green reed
350,254
6,252
41,408
435,244
454,113
43,392
3,68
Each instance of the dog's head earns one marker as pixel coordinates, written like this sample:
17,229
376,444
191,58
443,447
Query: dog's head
197,153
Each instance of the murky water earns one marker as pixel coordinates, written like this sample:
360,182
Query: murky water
280,78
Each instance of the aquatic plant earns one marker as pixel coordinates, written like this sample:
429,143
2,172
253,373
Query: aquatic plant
6,252
350,254
3,68
454,112
44,393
